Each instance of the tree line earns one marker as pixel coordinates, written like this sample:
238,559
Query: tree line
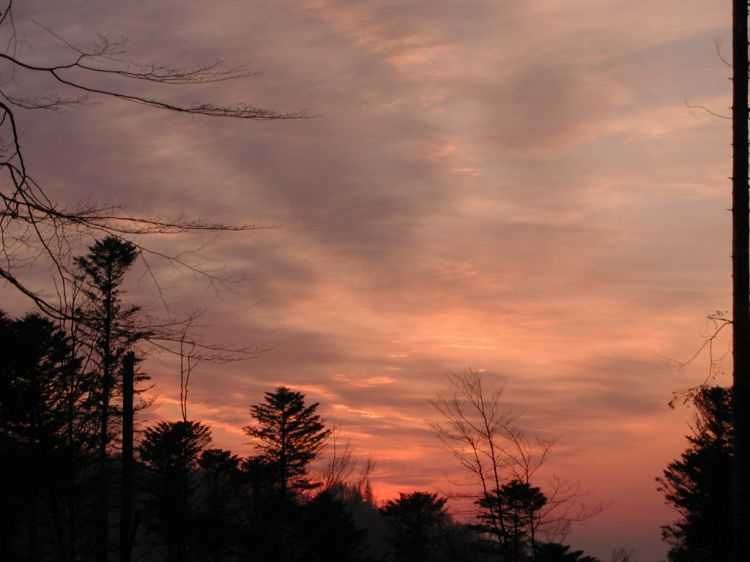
75,486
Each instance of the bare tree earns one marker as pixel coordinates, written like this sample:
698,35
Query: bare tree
741,281
338,471
622,554
33,225
489,444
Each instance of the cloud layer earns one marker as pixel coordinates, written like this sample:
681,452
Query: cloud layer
514,187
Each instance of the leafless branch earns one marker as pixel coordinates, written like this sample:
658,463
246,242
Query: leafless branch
704,108
34,227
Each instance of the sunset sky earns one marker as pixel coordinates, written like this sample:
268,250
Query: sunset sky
518,187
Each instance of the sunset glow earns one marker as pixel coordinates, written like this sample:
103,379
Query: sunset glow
534,190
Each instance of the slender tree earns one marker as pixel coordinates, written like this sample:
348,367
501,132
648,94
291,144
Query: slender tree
288,435
43,228
487,441
741,281
126,476
112,333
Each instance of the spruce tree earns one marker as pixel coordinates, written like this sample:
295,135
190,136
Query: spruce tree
289,435
699,484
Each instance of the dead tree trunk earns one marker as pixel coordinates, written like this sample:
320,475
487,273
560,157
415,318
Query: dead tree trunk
741,280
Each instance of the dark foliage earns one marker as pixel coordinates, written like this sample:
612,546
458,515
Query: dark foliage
218,524
170,452
191,503
289,435
415,521
43,439
699,484
327,531
511,516
108,330
556,552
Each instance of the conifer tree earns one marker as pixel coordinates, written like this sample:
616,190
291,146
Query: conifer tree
171,451
699,484
112,332
289,435
416,522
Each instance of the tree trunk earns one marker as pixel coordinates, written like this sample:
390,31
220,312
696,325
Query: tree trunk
741,279
102,509
126,481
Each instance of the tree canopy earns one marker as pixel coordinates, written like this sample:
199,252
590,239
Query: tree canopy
289,434
698,485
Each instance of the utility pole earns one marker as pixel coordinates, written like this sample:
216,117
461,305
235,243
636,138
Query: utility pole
741,281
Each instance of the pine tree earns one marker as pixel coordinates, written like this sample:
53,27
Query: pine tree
289,435
416,522
518,505
112,333
34,452
699,484
171,451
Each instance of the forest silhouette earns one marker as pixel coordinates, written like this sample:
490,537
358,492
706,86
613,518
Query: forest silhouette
75,485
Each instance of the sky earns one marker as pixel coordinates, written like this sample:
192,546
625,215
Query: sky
530,189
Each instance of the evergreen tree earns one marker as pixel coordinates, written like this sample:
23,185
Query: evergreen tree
327,531
699,484
416,521
517,505
219,521
270,518
556,552
170,451
289,435
112,332
34,362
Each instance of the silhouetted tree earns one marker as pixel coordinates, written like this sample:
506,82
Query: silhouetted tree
110,326
219,520
740,282
127,459
519,505
34,391
415,521
269,516
41,227
556,552
170,452
290,435
487,441
699,484
327,531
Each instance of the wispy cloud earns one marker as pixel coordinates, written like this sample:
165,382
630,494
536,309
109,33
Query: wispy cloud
514,187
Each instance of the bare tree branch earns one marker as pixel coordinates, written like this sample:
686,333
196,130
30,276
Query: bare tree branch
34,228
